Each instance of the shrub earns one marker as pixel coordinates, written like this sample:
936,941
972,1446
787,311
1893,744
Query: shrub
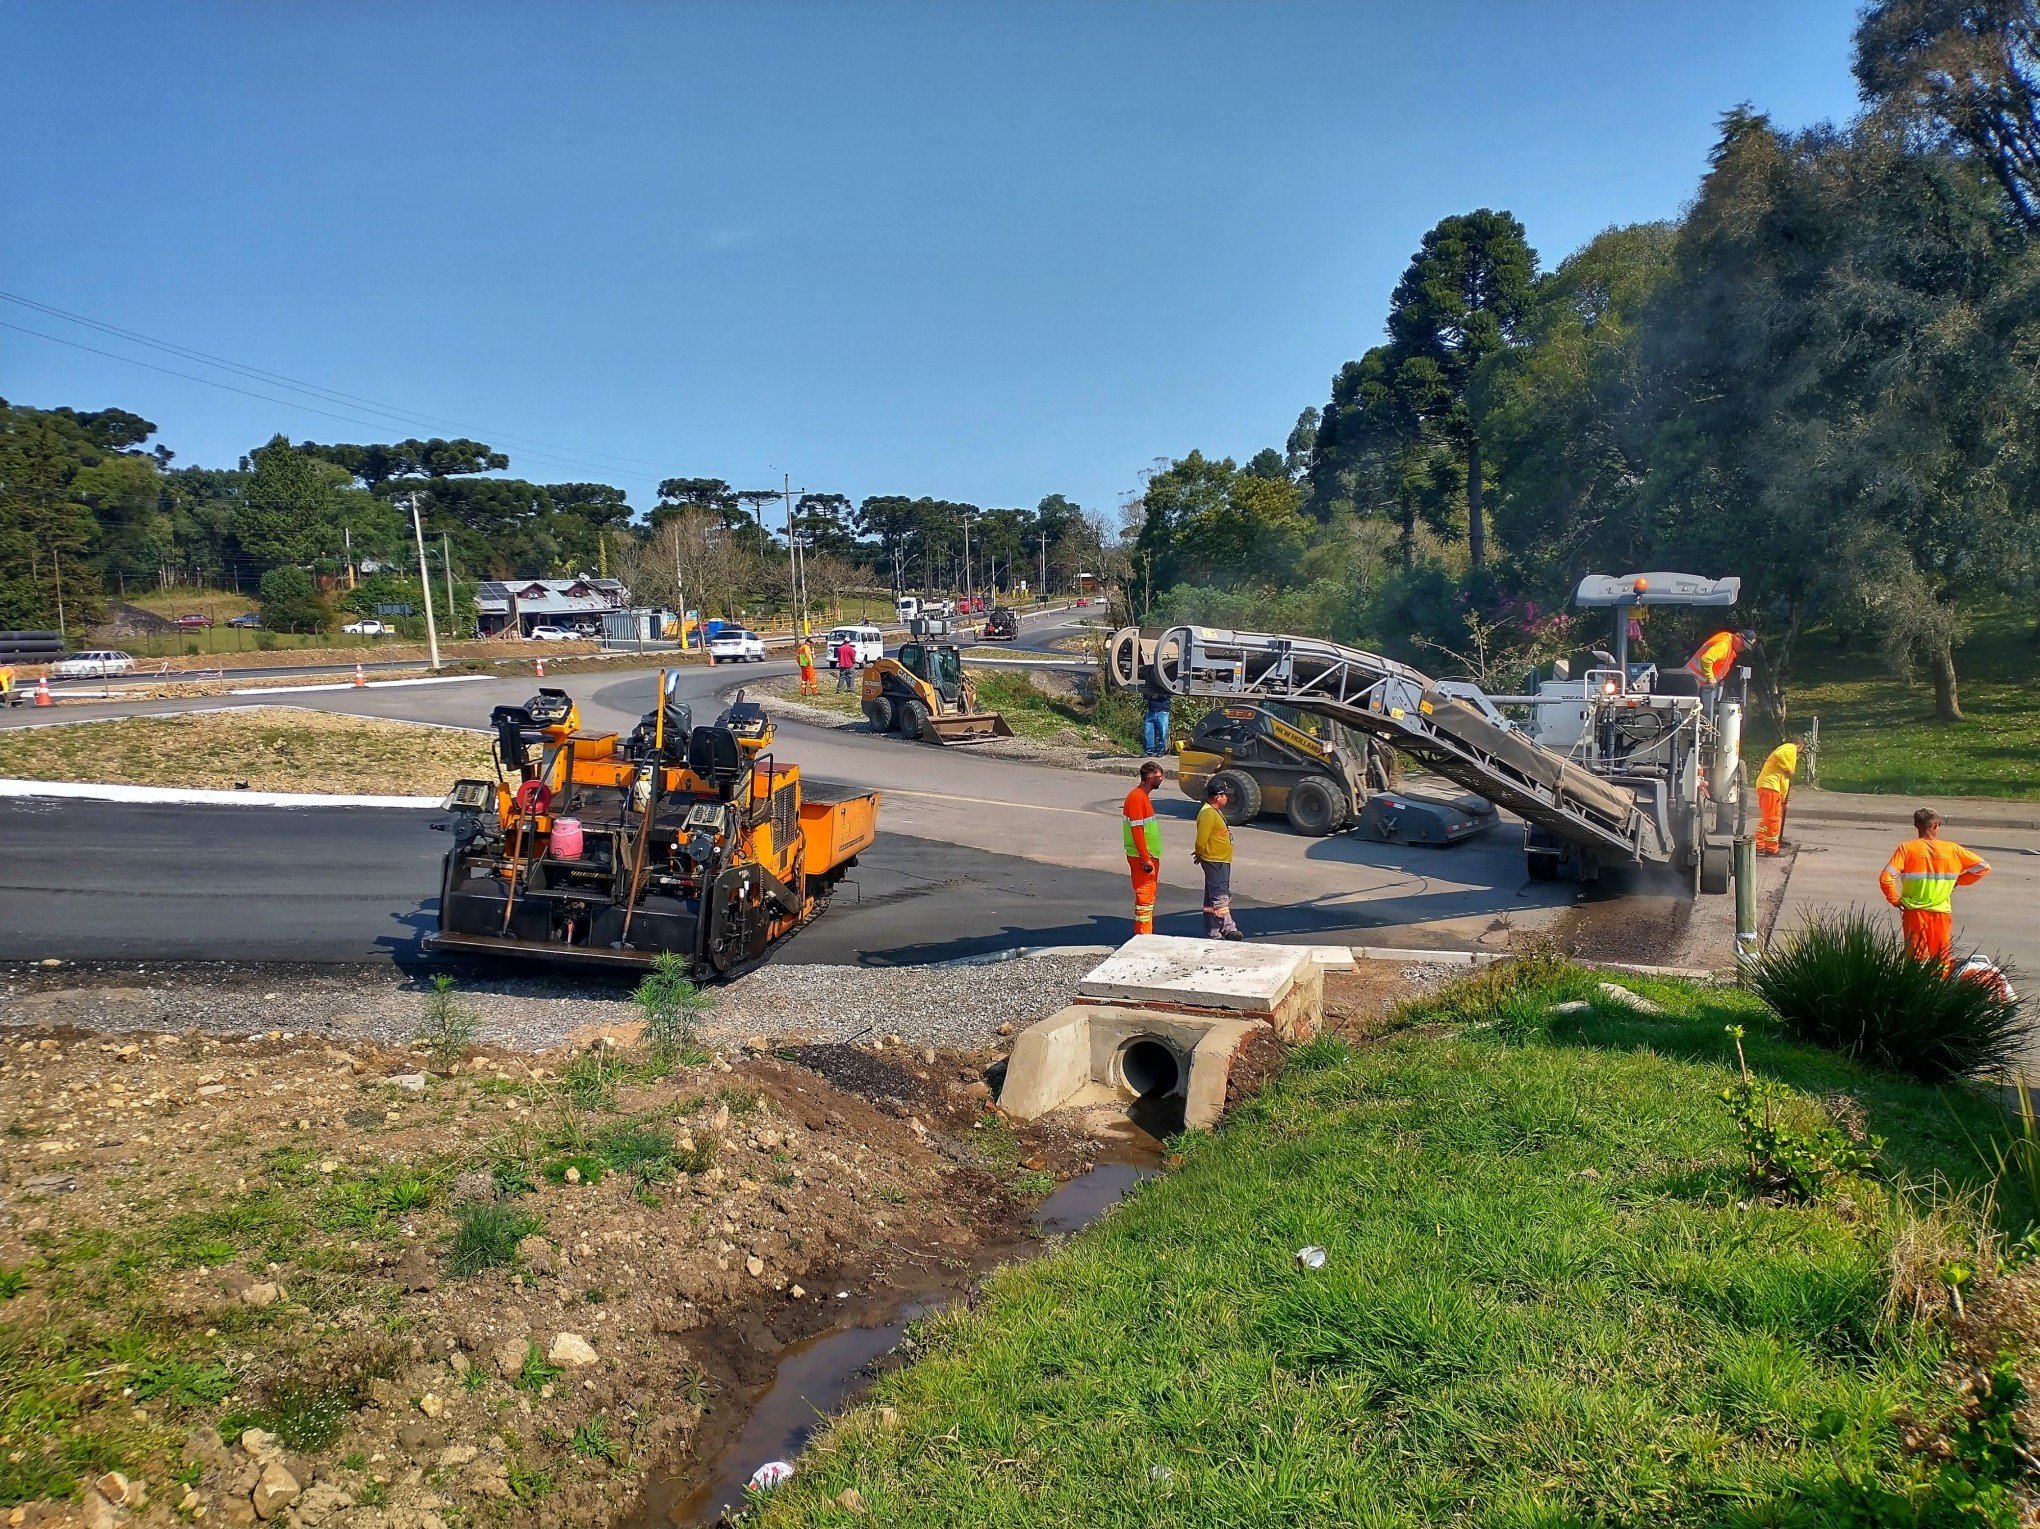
670,1004
1782,1160
486,1236
449,1026
1848,983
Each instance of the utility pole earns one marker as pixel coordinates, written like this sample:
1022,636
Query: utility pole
347,545
57,565
446,562
968,587
425,585
679,584
1044,567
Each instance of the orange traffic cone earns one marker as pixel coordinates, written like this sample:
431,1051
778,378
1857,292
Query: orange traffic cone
42,692
360,679
541,668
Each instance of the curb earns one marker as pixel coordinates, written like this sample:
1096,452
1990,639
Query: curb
93,791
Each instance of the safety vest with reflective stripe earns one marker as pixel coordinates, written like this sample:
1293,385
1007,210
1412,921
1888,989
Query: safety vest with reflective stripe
1716,657
1924,873
1138,811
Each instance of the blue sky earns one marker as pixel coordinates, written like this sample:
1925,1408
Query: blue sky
984,252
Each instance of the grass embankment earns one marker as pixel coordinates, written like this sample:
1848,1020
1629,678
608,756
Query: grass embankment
1878,731
1550,1298
260,748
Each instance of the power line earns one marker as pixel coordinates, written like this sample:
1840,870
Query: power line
408,417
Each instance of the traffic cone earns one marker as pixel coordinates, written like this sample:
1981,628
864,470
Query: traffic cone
360,679
42,692
541,668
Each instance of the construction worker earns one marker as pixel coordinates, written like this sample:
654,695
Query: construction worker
1715,660
804,655
1774,784
7,685
1154,722
1143,841
1920,882
1214,853
846,665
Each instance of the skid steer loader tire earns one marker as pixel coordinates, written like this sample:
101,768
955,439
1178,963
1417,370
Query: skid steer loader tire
878,711
1316,807
914,722
1244,802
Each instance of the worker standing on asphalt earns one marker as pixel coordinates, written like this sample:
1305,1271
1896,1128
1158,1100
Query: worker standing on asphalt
1920,882
1143,840
1214,853
1154,722
1774,784
846,664
6,684
804,655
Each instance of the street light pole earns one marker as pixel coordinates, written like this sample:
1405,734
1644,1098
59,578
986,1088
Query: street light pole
425,584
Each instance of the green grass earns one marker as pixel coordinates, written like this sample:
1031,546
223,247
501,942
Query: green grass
486,1236
1878,732
1548,1301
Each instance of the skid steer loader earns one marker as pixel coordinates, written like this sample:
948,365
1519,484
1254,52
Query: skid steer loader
922,691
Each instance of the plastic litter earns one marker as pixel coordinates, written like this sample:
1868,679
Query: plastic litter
1312,1257
1161,1473
769,1475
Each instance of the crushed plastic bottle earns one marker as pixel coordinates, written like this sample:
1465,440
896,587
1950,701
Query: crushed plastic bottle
1312,1257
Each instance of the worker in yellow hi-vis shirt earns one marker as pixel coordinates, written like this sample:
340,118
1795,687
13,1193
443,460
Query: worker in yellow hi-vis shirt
1214,853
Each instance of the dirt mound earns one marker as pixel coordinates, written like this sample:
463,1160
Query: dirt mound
122,621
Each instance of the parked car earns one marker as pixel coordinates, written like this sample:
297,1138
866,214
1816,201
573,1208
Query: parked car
868,641
194,622
369,628
554,634
249,620
734,645
96,665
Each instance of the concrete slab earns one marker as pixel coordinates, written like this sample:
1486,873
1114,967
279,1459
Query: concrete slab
1210,974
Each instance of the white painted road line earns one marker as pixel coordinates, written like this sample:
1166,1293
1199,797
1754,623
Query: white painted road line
430,679
101,792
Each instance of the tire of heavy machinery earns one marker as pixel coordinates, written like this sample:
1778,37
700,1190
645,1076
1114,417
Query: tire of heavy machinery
1316,807
913,720
1715,864
1244,803
878,711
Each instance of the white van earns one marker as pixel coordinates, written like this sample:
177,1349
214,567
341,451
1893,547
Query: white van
908,607
869,642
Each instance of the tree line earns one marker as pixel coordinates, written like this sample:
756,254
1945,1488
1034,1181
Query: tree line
91,510
1821,377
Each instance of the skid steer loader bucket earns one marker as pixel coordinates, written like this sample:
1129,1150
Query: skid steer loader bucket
966,727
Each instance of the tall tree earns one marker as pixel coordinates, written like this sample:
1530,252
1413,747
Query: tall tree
1460,302
1964,74
376,466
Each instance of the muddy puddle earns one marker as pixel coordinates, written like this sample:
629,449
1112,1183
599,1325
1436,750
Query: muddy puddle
818,1376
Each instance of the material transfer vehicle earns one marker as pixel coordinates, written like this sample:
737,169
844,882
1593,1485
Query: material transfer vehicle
615,849
923,693
734,645
95,665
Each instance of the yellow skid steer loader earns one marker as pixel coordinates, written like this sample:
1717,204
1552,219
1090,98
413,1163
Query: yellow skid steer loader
922,692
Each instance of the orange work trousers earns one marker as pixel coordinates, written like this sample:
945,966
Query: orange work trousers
808,684
1770,820
1145,885
1929,936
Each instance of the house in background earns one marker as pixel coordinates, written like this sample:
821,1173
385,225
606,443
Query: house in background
515,606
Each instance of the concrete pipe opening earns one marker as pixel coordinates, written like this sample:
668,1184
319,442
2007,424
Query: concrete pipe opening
1150,1068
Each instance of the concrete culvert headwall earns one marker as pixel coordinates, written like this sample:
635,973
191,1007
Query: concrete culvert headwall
1150,1067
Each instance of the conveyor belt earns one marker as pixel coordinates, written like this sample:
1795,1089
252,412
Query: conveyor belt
1403,707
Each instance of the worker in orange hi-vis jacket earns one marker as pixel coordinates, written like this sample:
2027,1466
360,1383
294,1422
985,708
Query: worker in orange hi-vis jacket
1717,655
1774,784
1143,840
1920,881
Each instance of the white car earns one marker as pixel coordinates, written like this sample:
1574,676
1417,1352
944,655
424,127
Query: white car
554,634
96,665
868,641
369,628
731,645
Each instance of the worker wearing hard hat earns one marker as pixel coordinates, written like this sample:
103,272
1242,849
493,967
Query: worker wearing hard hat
1774,784
1717,655
1920,882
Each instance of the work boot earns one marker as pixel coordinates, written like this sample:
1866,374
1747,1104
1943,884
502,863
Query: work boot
1232,932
